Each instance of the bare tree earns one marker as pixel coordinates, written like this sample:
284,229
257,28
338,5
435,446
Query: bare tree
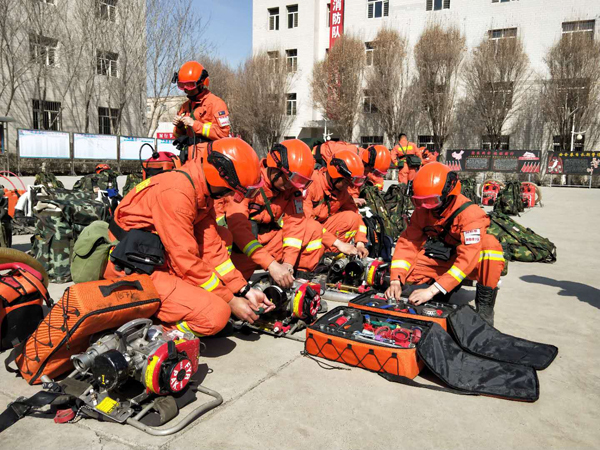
337,84
495,80
571,95
387,83
222,77
258,104
438,56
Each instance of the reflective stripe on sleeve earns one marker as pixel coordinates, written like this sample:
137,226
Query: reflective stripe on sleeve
457,274
251,247
225,268
314,245
292,242
211,284
206,129
229,249
221,221
362,229
350,234
401,264
492,255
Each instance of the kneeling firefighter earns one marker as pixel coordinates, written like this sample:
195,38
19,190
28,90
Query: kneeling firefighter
166,227
272,231
376,160
446,242
329,202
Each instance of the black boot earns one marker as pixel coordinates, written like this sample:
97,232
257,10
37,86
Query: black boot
485,299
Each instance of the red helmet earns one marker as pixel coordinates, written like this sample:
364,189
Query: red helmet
192,75
233,164
377,158
346,164
102,168
433,184
294,158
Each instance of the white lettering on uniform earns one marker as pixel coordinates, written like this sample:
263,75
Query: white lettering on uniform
224,121
472,237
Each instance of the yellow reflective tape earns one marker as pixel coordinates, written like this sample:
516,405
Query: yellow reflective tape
229,249
324,230
457,274
401,264
251,247
185,328
292,242
491,255
280,222
143,185
225,268
362,229
350,234
211,284
221,221
206,129
314,245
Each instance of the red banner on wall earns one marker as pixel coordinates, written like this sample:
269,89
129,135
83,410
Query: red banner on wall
336,21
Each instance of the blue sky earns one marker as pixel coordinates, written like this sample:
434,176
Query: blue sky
229,28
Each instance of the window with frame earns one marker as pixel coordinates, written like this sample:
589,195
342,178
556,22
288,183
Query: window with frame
107,64
426,141
328,15
273,19
369,48
291,59
46,115
273,58
106,10
503,33
504,1
368,105
486,143
581,26
378,8
578,144
291,105
366,141
437,5
43,50
107,120
292,15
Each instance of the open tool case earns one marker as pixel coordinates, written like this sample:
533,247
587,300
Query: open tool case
475,359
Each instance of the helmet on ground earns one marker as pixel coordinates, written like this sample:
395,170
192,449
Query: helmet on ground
378,158
102,168
347,164
231,163
192,75
294,158
433,184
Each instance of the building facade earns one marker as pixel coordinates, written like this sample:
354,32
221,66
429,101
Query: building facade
299,31
72,65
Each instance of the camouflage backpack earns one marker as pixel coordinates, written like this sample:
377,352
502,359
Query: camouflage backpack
468,188
49,180
133,179
518,242
376,203
398,203
510,200
107,179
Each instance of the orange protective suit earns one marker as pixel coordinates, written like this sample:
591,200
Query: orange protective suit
285,234
406,173
372,179
211,118
335,210
198,278
429,156
478,255
325,151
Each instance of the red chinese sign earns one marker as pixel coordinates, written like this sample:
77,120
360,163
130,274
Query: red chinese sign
165,136
336,21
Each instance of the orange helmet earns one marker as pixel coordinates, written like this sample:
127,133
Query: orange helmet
346,164
233,164
378,159
192,75
433,184
294,158
102,168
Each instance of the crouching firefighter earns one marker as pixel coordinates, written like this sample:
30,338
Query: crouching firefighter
272,231
446,242
160,225
329,202
376,160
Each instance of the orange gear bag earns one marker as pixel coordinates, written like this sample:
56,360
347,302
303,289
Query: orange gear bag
83,310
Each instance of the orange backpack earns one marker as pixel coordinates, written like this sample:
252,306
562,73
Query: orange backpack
83,310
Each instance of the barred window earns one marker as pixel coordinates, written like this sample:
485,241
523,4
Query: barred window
366,141
107,64
43,50
46,115
273,19
291,105
106,9
486,143
426,141
107,120
582,26
378,8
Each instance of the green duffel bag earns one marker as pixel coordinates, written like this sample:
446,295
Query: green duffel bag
90,253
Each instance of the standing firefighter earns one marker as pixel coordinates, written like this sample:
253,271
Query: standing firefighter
408,157
198,285
272,231
330,203
446,242
204,116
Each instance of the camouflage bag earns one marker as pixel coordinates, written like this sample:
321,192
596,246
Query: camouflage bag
49,180
510,200
468,188
518,242
376,203
107,179
133,179
398,203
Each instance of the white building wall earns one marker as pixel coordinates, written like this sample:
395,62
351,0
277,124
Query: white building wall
539,24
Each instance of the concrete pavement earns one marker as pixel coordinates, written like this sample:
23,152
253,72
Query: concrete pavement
277,399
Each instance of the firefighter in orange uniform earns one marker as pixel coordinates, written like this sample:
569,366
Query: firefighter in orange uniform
446,242
428,156
330,203
198,285
376,160
204,116
408,158
324,152
272,231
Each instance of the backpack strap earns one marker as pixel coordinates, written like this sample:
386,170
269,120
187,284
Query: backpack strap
448,223
268,205
325,200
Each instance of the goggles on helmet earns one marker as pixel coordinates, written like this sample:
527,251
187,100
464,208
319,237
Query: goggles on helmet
187,85
378,172
226,170
297,180
342,168
427,202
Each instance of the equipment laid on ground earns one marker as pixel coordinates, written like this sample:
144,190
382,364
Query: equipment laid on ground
531,194
468,188
510,200
479,360
489,191
126,374
352,271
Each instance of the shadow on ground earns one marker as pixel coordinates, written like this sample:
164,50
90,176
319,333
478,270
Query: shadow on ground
583,292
